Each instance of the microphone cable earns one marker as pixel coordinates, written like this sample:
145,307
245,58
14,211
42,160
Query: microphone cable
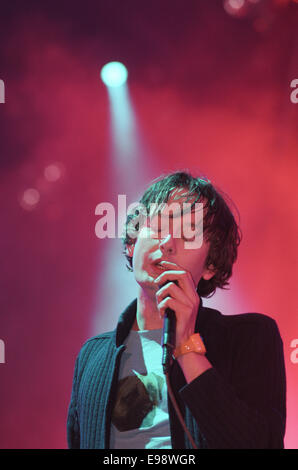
168,346
178,412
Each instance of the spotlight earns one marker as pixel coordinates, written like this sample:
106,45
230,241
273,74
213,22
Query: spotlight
30,199
114,74
235,4
53,172
234,7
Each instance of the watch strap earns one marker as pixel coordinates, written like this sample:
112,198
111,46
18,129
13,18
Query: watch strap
193,344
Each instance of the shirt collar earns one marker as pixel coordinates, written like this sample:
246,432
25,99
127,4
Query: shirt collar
128,315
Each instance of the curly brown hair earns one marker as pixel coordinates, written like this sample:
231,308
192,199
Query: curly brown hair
220,227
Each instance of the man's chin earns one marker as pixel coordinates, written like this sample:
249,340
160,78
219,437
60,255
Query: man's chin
146,281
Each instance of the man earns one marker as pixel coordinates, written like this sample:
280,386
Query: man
228,374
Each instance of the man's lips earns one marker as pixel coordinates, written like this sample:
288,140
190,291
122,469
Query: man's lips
158,266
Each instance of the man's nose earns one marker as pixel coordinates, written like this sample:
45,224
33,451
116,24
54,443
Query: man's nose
167,245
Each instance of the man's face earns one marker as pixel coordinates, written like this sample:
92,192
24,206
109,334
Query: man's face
159,240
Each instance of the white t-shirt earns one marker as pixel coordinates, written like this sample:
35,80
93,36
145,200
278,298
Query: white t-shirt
140,418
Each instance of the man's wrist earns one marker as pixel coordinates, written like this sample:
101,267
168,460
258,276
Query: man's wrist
193,365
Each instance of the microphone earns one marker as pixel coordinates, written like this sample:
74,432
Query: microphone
168,337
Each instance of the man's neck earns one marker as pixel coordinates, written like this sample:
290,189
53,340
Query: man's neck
147,317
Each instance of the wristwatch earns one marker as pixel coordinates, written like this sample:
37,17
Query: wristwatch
193,344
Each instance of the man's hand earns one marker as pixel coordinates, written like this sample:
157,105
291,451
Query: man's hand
183,299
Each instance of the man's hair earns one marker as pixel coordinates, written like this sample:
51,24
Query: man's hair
219,226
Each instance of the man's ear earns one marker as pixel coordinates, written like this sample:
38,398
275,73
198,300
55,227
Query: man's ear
209,272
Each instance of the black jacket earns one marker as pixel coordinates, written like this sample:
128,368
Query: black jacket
240,403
